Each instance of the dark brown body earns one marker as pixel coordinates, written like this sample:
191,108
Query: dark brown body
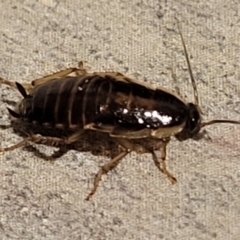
104,103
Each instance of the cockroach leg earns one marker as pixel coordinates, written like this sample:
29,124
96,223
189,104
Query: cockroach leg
36,138
81,70
55,141
104,170
61,74
158,164
26,86
40,81
111,164
50,141
9,83
18,145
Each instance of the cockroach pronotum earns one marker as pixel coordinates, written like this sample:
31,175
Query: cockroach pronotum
109,102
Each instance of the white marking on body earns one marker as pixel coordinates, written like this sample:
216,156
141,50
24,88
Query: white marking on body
147,114
165,119
140,121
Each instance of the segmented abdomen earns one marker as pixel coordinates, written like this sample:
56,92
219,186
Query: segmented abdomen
68,102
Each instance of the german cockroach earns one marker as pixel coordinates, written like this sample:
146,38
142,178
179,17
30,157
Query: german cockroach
127,110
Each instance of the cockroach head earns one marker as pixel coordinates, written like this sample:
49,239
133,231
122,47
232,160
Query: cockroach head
193,123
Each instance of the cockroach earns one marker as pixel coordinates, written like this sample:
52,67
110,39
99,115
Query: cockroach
124,108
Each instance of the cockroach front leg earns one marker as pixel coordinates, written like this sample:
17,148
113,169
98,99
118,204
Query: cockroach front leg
111,164
26,86
158,164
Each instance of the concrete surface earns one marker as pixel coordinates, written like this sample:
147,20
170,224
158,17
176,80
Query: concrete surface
41,200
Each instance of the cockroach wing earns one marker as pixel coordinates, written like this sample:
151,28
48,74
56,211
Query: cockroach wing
127,108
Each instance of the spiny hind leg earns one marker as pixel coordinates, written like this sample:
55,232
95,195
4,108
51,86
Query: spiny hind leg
63,73
161,165
60,74
18,145
111,164
26,86
46,140
7,82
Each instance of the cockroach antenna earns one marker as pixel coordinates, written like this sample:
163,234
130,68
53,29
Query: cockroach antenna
218,121
203,124
189,68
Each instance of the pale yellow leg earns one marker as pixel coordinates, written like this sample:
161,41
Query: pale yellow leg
110,165
158,164
9,83
60,74
39,139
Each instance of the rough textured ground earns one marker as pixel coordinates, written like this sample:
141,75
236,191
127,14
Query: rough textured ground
41,200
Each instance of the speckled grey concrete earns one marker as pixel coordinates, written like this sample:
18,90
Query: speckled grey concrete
41,200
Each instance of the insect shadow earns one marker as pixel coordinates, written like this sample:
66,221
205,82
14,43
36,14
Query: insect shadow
106,146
